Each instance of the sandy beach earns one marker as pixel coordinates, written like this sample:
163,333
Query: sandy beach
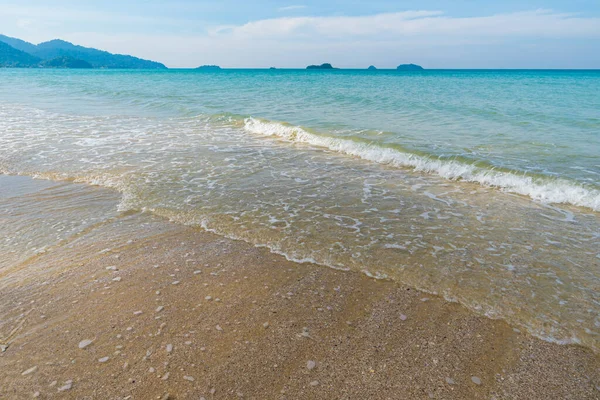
136,307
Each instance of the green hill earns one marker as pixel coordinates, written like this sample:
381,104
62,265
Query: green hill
18,44
97,58
59,54
11,57
65,62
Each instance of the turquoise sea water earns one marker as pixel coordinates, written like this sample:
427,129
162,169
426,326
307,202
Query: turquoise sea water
481,186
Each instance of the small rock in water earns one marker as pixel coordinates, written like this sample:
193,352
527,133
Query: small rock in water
29,371
403,317
476,380
85,343
449,381
159,308
169,348
188,378
314,383
311,364
67,386
103,359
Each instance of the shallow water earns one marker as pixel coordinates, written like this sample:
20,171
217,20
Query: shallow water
481,186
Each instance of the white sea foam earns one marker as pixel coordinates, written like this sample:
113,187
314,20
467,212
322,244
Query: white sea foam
543,190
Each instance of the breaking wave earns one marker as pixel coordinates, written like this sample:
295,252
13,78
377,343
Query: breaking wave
543,189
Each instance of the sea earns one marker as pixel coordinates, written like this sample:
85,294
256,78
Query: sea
481,186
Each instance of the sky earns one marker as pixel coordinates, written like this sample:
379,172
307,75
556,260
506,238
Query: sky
348,34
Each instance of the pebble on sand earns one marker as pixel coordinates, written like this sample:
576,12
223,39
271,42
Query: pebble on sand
103,359
218,327
449,381
29,371
314,383
117,279
311,364
189,378
197,272
165,376
208,298
137,313
476,380
85,343
67,386
266,325
403,317
175,283
169,348
159,308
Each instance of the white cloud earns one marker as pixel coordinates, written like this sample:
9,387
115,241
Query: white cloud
534,39
291,8
540,23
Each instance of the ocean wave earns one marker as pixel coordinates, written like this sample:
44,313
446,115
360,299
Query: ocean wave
546,190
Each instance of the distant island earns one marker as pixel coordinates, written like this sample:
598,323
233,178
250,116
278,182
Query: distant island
17,53
372,68
209,68
322,66
409,67
272,68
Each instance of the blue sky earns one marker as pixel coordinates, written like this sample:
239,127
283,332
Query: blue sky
263,33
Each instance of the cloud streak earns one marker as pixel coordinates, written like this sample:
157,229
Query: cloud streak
540,23
291,8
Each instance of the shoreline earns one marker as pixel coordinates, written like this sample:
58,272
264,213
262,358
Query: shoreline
183,313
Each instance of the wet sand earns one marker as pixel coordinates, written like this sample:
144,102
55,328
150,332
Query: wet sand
175,312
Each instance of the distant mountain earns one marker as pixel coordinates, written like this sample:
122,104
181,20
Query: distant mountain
11,57
409,67
209,68
322,66
65,53
97,58
65,62
372,68
18,44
